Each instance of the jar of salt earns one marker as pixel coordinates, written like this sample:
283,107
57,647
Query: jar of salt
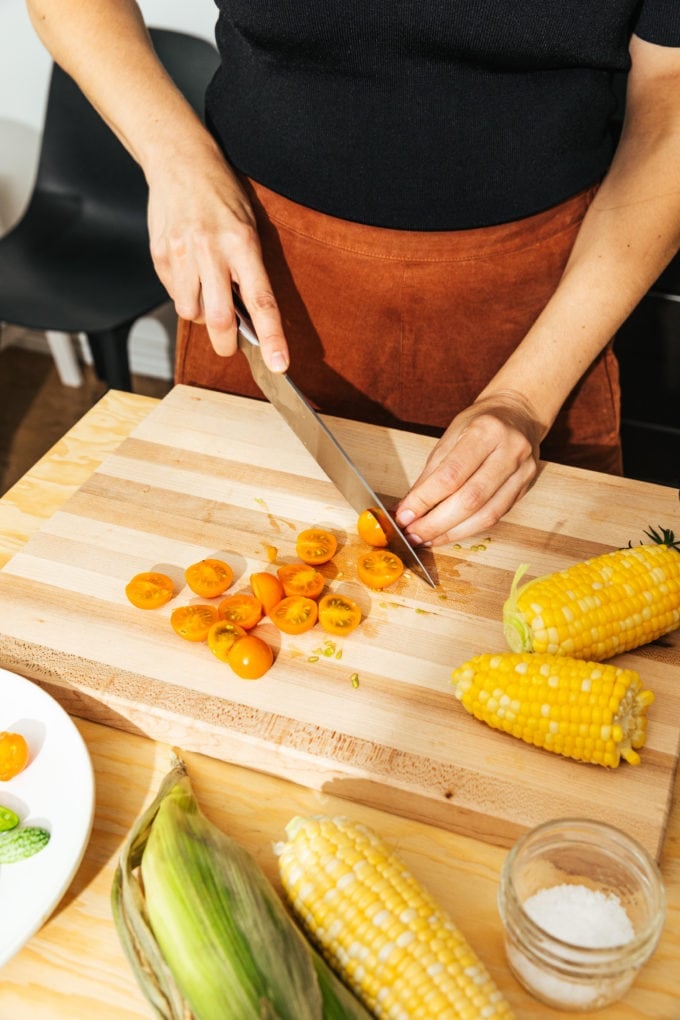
582,905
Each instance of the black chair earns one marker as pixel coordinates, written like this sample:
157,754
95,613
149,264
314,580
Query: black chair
78,260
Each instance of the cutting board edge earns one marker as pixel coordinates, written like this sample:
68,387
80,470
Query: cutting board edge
318,772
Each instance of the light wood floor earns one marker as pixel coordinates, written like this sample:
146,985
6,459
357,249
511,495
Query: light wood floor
36,409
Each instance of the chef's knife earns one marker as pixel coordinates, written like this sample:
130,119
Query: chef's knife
299,414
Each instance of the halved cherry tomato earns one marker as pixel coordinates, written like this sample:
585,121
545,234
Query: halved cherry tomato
209,578
242,608
301,579
370,529
315,545
267,589
149,590
295,614
13,754
250,657
221,636
379,568
194,621
338,615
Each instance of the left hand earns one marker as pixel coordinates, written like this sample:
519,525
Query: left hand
485,461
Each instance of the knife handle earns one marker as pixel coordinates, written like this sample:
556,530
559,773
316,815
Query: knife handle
245,326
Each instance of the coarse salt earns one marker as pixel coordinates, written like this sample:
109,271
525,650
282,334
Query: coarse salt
585,918
581,916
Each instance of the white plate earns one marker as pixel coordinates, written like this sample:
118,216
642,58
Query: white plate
56,791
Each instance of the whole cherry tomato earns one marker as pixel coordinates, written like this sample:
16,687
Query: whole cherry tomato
13,754
250,657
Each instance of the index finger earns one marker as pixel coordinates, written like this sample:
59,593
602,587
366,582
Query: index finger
264,312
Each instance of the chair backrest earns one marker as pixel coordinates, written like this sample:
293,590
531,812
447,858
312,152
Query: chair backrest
80,155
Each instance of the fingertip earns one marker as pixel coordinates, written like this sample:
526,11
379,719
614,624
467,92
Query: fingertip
405,517
277,361
415,540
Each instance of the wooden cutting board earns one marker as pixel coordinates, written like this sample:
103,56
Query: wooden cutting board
209,474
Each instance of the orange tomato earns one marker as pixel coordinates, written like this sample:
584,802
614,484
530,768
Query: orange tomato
370,529
379,568
338,615
301,579
221,636
315,545
209,578
295,614
267,589
13,754
250,657
243,609
149,590
194,621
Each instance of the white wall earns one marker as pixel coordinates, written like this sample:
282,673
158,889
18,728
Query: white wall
24,74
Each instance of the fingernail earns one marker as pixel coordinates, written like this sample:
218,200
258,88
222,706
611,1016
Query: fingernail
404,518
278,362
414,539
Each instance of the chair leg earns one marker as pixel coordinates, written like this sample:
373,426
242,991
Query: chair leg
110,356
61,349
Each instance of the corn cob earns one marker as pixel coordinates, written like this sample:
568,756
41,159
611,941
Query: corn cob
206,934
589,711
379,929
599,608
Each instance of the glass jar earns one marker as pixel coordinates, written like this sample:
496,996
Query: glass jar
609,869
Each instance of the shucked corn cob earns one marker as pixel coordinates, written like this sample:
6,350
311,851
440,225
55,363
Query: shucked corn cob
379,929
589,711
205,932
599,608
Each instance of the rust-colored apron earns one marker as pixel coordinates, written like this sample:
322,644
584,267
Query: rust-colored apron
405,328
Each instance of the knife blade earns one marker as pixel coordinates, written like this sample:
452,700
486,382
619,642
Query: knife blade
317,438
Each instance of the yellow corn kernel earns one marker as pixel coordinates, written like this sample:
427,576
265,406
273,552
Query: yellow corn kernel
589,711
599,608
400,952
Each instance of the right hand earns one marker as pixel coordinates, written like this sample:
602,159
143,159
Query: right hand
204,240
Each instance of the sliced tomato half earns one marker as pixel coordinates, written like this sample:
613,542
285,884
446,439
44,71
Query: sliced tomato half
338,614
301,579
316,546
241,608
379,568
295,614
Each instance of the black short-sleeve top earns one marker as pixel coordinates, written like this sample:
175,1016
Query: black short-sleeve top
426,114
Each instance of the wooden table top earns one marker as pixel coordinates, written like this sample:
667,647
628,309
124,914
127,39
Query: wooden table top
74,967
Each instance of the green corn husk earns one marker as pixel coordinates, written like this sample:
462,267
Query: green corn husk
206,933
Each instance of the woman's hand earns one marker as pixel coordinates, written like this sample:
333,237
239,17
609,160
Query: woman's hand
485,461
202,230
204,239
